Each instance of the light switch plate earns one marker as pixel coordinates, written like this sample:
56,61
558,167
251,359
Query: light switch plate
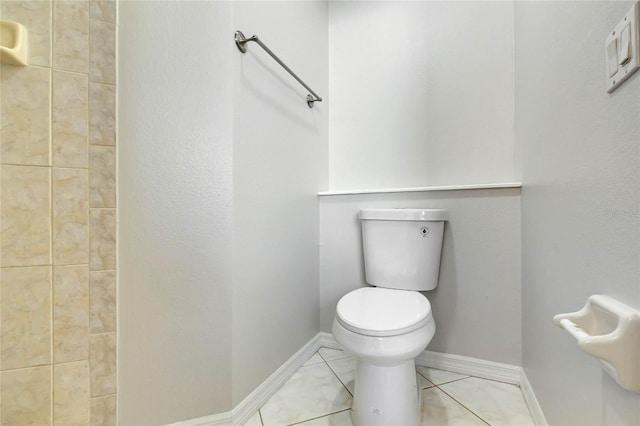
624,71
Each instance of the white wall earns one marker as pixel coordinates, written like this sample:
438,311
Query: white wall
175,184
280,156
421,93
580,224
477,303
221,159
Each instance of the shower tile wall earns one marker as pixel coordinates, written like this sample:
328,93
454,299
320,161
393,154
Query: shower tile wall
58,217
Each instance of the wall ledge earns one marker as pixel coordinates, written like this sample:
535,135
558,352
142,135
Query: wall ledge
502,185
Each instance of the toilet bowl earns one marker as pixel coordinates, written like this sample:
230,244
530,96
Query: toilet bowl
385,327
385,346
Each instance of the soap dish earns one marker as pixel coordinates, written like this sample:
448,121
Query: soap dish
13,43
609,331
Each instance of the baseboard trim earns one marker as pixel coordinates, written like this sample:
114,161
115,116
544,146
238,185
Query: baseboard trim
328,341
220,419
256,399
532,402
442,361
470,366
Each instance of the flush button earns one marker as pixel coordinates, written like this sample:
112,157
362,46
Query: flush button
424,231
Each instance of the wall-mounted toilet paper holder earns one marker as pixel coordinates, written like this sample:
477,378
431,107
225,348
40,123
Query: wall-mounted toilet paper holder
610,331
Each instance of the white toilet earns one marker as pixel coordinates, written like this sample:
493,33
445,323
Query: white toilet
387,326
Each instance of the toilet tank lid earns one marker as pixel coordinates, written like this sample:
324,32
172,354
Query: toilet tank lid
426,215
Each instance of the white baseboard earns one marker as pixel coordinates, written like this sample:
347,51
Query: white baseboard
454,363
473,367
532,402
220,419
256,399
328,341
470,366
249,406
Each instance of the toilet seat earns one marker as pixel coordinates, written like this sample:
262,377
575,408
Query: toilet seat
383,312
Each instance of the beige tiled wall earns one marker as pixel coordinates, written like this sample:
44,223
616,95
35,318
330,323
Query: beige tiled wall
58,217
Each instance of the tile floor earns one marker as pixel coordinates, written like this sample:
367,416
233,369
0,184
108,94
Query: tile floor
319,394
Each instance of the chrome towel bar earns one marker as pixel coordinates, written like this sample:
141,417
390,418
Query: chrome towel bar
241,42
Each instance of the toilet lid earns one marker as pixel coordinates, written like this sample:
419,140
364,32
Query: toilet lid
383,311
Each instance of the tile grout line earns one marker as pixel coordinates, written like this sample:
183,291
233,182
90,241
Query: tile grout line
51,217
318,417
464,406
425,377
336,374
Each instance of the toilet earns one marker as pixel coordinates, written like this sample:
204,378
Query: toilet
386,326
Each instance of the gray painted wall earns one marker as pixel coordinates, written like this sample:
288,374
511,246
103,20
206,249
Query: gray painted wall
580,220
279,164
220,163
421,93
477,303
175,232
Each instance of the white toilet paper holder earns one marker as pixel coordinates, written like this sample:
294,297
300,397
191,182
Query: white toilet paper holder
610,331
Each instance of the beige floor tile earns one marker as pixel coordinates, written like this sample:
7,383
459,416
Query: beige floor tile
345,370
343,418
329,354
497,403
315,359
439,377
313,391
440,409
254,420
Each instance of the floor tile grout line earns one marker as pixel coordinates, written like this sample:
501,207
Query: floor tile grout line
433,385
464,406
319,417
452,381
339,379
425,377
309,365
333,349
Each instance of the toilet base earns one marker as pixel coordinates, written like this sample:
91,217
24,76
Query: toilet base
386,396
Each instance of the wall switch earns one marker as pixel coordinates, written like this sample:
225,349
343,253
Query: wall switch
612,57
622,50
625,45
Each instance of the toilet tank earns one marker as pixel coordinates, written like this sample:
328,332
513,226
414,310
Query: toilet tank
402,247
